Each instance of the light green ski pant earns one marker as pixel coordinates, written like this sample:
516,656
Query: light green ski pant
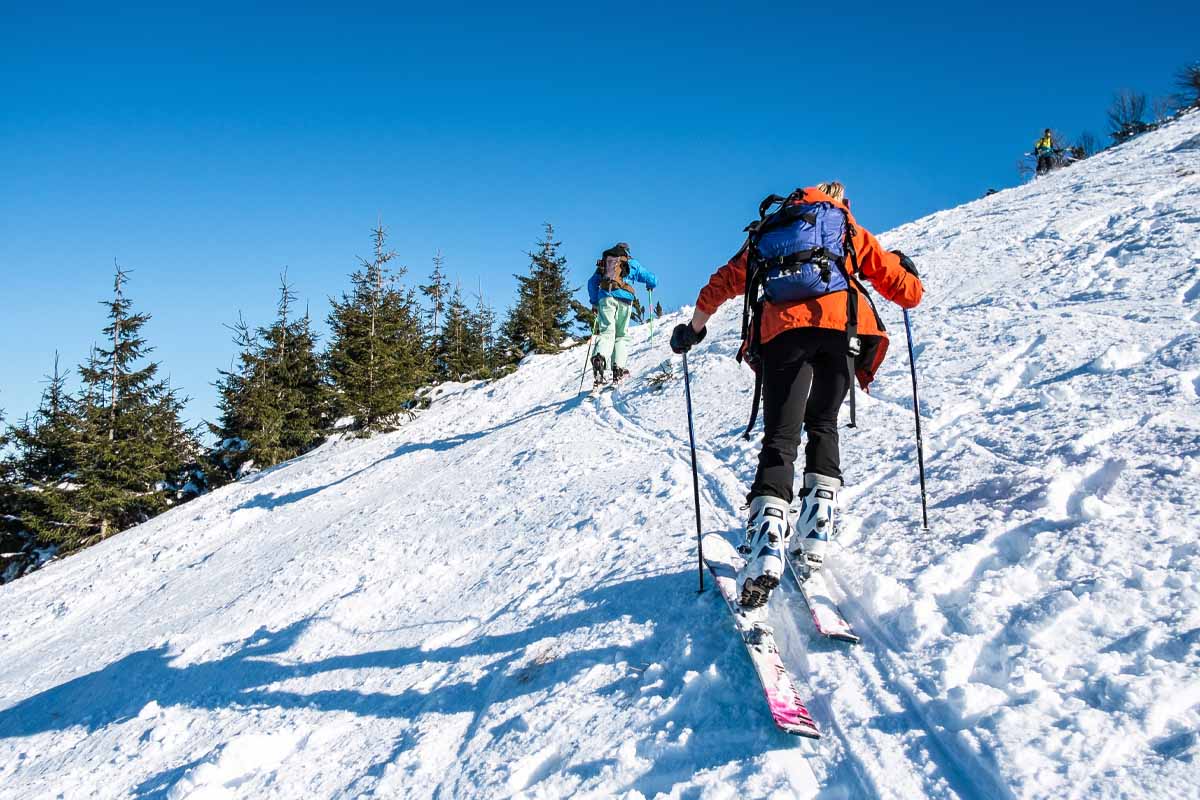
612,320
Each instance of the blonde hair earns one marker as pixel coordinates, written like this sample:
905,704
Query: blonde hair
834,189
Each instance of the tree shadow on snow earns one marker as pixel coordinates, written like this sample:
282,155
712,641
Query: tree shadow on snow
257,673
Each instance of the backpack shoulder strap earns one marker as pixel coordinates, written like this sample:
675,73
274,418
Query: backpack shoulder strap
855,287
853,343
752,308
752,305
768,201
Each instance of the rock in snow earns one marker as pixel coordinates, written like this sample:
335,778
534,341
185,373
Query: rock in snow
499,599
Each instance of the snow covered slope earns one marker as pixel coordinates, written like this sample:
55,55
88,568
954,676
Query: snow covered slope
499,600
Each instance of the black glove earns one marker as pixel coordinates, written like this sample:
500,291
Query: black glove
684,336
907,263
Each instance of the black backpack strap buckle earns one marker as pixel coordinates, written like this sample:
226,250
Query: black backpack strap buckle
768,201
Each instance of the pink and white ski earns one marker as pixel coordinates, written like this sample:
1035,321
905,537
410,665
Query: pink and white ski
783,698
826,615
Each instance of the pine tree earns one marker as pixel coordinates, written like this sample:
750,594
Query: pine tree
585,317
296,380
456,336
436,291
541,318
16,541
43,464
377,357
274,402
8,479
231,454
132,446
46,443
411,336
483,338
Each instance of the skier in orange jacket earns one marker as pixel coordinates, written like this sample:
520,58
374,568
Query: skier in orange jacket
806,350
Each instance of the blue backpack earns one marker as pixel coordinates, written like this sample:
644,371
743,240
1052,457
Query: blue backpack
801,250
798,252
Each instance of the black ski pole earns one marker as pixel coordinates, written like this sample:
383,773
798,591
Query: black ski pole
587,356
912,363
687,393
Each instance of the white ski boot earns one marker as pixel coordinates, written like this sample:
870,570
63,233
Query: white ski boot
766,533
814,524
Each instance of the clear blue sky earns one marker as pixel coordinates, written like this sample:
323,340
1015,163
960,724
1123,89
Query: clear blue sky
206,151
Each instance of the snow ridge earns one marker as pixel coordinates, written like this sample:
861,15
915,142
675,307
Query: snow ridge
499,599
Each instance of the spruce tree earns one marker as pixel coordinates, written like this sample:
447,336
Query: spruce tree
8,480
46,443
437,291
299,392
377,357
585,318
541,318
274,402
235,425
43,464
132,444
483,338
456,337
411,336
16,541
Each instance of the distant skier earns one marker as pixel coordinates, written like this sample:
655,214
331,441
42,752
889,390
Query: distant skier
611,292
813,331
1044,150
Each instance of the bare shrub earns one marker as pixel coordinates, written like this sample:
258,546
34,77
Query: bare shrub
1188,80
1127,115
1087,145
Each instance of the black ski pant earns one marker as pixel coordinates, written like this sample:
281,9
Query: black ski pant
805,379
1044,164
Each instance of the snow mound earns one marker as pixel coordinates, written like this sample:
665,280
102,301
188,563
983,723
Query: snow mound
498,600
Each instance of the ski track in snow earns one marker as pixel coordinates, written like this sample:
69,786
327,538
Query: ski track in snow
498,600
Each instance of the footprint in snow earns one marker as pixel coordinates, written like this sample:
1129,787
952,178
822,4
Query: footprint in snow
533,769
1192,294
240,760
451,634
1118,357
1079,494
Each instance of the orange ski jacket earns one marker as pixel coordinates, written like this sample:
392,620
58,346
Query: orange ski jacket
877,265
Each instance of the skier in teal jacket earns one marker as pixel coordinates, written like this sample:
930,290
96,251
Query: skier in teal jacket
611,292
